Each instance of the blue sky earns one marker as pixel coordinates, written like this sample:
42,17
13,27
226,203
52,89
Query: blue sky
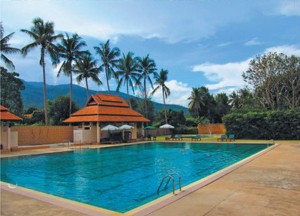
201,43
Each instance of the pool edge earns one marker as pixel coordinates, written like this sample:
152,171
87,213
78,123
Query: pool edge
170,198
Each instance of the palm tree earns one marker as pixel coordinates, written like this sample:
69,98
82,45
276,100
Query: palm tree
196,101
44,37
87,68
109,59
147,67
160,81
6,48
127,73
70,51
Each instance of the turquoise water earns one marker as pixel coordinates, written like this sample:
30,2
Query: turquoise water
120,178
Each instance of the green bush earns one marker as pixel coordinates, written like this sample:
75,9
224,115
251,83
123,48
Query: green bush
264,125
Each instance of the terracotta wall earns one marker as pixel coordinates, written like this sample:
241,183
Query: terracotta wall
211,129
35,135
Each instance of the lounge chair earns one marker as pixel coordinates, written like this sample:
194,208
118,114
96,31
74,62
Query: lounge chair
196,137
231,137
223,137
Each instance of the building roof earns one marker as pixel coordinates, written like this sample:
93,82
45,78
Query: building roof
5,115
106,108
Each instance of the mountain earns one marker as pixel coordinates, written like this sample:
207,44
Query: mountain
32,96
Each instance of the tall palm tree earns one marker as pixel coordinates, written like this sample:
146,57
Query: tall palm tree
147,68
196,101
70,51
160,81
127,73
43,36
87,68
109,58
5,48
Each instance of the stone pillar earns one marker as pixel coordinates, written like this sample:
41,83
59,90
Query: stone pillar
98,132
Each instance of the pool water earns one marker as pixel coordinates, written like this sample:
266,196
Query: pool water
121,178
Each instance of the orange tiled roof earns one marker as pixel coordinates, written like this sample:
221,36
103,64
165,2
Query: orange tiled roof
5,115
106,108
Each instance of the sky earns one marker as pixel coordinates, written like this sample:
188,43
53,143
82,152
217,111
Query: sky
200,42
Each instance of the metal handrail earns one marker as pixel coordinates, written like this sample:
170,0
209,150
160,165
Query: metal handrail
170,176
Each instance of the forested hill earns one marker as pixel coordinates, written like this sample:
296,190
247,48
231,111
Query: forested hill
32,96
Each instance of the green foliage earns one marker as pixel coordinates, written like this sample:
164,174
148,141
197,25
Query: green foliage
276,80
175,118
264,125
59,110
139,106
10,87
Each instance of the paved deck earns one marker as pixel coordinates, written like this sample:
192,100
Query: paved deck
268,185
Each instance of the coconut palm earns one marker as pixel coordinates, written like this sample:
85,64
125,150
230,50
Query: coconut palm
87,68
70,51
5,48
196,101
160,81
109,58
127,73
43,36
147,68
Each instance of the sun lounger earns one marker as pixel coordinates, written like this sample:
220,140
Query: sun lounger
196,137
231,137
223,137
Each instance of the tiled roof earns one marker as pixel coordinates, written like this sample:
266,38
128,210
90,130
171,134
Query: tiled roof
107,100
106,108
5,115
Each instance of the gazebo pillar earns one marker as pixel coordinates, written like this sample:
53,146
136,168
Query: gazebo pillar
8,138
98,132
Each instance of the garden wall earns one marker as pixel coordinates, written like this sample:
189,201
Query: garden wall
36,135
211,129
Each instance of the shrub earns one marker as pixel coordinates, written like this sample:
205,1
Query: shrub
264,125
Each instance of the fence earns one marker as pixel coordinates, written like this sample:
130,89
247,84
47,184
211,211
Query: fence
36,135
211,129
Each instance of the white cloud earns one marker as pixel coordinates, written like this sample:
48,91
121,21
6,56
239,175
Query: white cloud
289,7
228,76
253,42
286,49
179,93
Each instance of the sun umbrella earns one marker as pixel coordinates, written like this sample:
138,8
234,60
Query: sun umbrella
167,126
109,128
149,127
125,127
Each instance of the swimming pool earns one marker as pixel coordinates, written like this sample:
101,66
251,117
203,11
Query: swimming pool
121,178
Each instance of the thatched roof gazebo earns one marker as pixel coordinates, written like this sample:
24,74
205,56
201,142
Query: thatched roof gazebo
100,110
6,136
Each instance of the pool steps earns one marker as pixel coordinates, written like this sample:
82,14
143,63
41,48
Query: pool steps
170,177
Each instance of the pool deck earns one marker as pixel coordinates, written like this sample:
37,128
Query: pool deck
268,185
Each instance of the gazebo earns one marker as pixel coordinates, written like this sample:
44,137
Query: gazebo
101,110
8,138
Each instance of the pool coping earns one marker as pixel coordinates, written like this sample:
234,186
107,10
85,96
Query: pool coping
141,210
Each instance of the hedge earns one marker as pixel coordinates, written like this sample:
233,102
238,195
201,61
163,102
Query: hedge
284,125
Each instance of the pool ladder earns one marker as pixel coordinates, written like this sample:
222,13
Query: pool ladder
168,178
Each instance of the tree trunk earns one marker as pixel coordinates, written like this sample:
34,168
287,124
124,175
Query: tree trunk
128,95
71,88
106,73
44,86
145,102
87,89
166,119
